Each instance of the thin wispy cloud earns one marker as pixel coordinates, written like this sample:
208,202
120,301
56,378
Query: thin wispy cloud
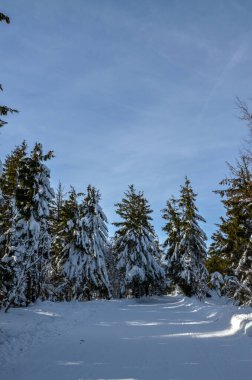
233,61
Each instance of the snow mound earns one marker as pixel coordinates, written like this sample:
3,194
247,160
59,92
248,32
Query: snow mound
248,329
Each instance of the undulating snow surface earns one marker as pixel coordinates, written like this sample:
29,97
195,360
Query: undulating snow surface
157,338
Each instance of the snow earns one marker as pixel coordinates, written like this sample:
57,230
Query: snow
157,338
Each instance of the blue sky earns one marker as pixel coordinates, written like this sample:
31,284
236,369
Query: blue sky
128,92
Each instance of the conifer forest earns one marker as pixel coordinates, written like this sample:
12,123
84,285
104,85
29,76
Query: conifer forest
55,246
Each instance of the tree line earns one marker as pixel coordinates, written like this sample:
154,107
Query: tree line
55,245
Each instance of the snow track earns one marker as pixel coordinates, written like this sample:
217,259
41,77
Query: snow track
159,338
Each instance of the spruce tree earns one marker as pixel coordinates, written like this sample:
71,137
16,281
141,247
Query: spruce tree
56,216
187,256
42,197
26,191
135,246
55,228
235,230
172,216
8,211
56,206
9,180
21,257
80,266
217,263
95,224
216,260
114,274
1,172
70,261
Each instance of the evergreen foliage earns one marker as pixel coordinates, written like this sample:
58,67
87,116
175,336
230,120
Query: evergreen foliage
235,231
95,223
136,247
172,216
114,274
81,264
25,240
5,18
70,260
55,228
186,247
216,261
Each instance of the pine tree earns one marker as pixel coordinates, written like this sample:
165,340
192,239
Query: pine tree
8,187
1,172
187,262
216,260
235,230
70,261
114,274
42,197
9,180
95,223
81,266
243,272
172,228
55,228
21,258
55,225
26,188
136,247
56,206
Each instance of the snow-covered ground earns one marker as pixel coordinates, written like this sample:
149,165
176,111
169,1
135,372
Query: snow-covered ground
159,338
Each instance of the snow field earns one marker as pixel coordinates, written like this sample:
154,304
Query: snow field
157,338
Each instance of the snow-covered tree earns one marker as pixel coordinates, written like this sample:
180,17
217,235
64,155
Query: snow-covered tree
216,259
55,221
1,172
172,216
81,264
235,230
8,185
236,226
94,223
42,197
243,292
217,282
114,275
56,207
187,261
70,263
1,207
56,226
136,246
21,259
26,190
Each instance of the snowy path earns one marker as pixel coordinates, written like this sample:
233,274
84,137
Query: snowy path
162,338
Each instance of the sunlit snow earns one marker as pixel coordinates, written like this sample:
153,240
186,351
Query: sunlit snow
156,338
